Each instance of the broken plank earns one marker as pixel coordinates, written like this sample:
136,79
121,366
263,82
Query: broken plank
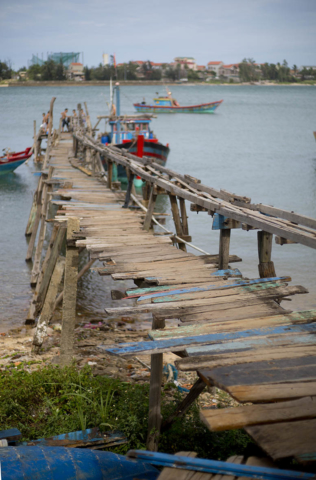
240,417
272,392
177,344
285,439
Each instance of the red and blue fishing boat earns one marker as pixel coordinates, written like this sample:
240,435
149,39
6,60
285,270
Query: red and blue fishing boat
11,161
167,104
124,133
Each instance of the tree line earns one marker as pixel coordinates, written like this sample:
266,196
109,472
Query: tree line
249,71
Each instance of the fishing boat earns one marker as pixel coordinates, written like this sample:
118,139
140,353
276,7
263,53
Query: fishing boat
168,104
125,132
12,160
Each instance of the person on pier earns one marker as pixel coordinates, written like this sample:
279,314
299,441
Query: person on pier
64,117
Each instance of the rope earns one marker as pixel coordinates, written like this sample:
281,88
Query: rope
166,230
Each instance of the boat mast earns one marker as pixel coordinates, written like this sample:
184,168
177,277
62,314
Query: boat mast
118,112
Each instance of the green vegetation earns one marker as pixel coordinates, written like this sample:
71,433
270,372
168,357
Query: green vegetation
5,70
49,71
57,400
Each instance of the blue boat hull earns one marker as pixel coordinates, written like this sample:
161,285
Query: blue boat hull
10,167
203,108
58,463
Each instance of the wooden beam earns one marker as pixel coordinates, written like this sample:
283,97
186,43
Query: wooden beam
177,220
151,207
266,266
154,415
70,295
224,241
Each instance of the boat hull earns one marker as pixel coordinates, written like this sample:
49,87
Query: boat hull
60,463
8,165
155,150
203,108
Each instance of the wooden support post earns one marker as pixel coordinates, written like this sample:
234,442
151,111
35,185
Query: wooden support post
110,173
184,217
44,320
50,126
266,267
146,194
151,207
80,274
154,416
32,216
185,404
48,266
42,232
70,295
224,241
129,188
177,220
29,252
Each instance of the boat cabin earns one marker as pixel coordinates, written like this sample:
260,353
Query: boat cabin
166,102
126,130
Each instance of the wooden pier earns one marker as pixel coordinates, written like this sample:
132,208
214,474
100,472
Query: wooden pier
232,331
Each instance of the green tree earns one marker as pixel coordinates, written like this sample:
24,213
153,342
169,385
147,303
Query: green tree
5,70
60,72
87,73
35,72
49,70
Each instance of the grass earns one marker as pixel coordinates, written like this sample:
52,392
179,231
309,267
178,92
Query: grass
55,400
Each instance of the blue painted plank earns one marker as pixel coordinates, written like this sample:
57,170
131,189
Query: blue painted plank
227,273
11,434
249,344
217,467
213,286
175,344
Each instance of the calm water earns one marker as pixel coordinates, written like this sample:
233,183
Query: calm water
259,143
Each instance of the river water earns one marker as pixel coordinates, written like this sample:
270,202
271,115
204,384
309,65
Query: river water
259,143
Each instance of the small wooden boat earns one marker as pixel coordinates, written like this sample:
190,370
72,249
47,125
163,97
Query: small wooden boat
168,104
11,161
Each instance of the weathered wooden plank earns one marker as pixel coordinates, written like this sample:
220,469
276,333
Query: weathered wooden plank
248,345
211,286
183,331
272,392
286,439
209,292
292,350
222,299
255,308
240,417
178,344
280,371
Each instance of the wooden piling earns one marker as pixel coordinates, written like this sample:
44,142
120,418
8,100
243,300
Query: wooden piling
42,232
154,415
177,220
50,126
151,207
224,241
266,266
110,173
43,322
70,294
36,222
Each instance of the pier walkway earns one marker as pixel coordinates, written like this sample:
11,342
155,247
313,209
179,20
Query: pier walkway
232,331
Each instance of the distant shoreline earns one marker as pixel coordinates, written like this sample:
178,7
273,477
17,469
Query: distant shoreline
147,83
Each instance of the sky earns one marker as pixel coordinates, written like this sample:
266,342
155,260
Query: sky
208,30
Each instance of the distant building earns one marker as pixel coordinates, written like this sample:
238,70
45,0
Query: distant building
105,59
75,71
230,72
214,67
186,61
201,68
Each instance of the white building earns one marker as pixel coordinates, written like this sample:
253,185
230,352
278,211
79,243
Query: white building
75,71
214,67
